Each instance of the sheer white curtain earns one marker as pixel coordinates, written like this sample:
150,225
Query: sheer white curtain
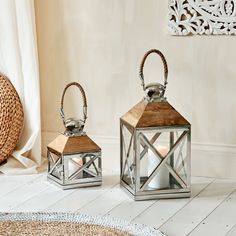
19,61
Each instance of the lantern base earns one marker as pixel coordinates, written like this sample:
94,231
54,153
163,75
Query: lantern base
96,182
157,194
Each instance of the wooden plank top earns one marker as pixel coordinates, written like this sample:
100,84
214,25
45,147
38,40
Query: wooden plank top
153,114
67,145
133,116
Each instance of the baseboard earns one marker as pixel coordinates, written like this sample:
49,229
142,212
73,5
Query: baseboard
211,160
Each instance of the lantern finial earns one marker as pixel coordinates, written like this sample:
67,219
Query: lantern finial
74,127
154,91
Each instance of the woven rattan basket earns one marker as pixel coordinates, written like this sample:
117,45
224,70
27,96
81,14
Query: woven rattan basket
11,118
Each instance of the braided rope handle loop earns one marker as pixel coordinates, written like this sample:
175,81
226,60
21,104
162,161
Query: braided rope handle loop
83,97
143,62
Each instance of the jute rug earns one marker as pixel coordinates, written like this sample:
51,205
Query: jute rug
69,224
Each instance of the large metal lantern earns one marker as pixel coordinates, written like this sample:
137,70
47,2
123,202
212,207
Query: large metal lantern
74,160
155,143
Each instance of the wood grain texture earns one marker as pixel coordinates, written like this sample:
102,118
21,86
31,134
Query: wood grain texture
153,114
67,145
133,116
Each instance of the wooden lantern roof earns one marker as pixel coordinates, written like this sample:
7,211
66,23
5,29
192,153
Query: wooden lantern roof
73,145
153,114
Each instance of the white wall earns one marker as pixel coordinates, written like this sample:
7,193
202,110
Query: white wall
100,43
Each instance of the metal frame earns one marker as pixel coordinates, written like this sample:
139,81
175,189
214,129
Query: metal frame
66,181
138,190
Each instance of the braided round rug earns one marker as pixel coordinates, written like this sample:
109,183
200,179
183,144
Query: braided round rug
58,224
11,118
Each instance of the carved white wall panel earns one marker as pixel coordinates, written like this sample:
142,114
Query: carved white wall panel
188,17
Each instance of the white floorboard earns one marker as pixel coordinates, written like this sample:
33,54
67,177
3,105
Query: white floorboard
9,183
105,202
22,194
42,200
130,209
192,214
210,211
162,210
83,196
220,220
232,232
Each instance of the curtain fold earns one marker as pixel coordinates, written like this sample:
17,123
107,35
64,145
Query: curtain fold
19,61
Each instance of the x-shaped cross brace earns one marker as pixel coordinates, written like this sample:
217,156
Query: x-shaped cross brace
85,167
130,167
127,162
163,160
55,164
180,156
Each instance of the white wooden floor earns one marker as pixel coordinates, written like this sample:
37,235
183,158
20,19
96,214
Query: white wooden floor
210,211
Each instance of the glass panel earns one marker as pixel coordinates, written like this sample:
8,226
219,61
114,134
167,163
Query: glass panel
149,141
81,166
179,159
92,170
155,147
127,156
75,162
55,165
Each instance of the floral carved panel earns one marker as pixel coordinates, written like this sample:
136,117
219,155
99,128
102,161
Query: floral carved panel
208,17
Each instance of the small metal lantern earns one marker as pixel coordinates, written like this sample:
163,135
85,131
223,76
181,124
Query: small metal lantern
74,160
155,143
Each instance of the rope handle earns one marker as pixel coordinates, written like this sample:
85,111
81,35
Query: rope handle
143,63
83,97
